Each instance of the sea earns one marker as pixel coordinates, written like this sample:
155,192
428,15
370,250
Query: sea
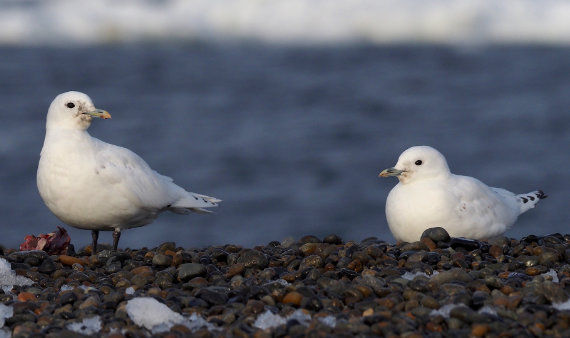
288,110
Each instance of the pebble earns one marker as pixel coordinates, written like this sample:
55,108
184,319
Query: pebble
499,287
187,271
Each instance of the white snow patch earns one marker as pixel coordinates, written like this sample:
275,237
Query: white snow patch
329,321
279,281
301,317
8,278
5,312
269,320
444,310
5,334
488,310
130,290
65,287
157,317
411,275
552,274
88,326
562,306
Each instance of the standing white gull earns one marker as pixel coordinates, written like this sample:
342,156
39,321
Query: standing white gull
429,195
93,185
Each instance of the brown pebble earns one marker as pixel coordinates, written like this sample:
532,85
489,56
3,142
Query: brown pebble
504,274
355,265
293,297
537,329
90,301
177,259
532,271
235,269
387,302
289,277
507,289
365,290
429,243
479,330
433,326
144,270
69,261
495,251
26,296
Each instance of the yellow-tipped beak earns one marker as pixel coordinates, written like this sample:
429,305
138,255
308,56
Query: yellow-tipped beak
390,172
99,113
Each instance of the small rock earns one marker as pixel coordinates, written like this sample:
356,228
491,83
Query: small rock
161,260
293,298
187,271
437,234
332,239
214,295
253,259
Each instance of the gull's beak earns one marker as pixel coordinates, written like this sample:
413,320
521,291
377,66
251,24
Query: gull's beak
100,113
390,172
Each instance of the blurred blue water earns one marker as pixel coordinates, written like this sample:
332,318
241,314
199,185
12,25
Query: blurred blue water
292,138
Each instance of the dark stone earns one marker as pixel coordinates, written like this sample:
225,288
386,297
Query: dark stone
214,295
467,244
67,297
332,239
187,271
48,266
414,246
437,234
162,260
253,259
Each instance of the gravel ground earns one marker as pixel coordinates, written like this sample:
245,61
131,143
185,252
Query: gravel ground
436,287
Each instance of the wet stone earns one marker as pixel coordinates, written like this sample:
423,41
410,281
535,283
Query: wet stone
332,239
162,260
253,259
47,266
437,234
187,271
213,295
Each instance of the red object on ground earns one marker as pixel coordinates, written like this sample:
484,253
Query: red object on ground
54,243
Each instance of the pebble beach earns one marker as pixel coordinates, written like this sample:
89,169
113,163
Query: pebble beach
316,287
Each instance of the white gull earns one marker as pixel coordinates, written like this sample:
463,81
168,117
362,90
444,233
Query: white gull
93,185
429,195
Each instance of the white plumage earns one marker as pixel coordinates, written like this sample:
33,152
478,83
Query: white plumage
429,195
90,184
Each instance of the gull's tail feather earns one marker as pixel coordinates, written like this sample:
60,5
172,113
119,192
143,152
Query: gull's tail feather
529,200
194,202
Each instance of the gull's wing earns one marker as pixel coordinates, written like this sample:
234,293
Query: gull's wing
132,177
483,206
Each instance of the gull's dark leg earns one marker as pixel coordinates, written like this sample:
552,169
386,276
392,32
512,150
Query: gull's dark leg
95,237
116,236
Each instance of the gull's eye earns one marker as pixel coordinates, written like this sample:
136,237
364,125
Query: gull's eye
419,162
70,105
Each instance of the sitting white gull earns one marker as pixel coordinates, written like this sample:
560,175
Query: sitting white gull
429,195
93,185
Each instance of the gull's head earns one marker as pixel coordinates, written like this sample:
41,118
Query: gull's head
418,163
73,110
